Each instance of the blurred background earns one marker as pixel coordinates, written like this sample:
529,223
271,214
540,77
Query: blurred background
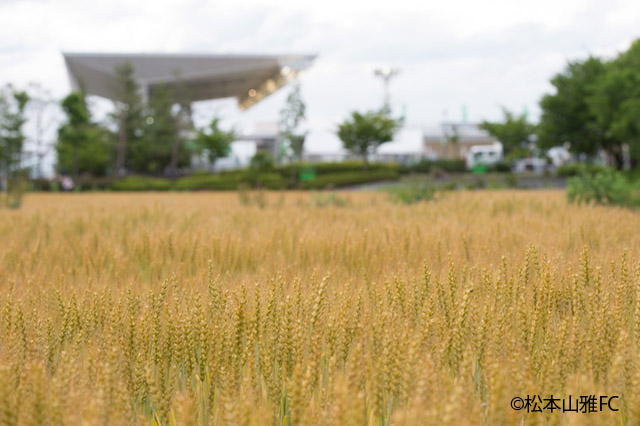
444,71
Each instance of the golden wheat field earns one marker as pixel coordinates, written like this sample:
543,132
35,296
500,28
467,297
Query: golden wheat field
215,309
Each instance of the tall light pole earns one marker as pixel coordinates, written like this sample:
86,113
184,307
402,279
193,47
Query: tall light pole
386,74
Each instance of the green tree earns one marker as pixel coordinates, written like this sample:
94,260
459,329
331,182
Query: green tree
290,118
128,113
13,104
182,121
616,104
83,147
151,153
568,114
362,134
214,142
513,132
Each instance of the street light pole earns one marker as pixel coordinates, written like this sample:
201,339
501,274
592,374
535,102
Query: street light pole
386,74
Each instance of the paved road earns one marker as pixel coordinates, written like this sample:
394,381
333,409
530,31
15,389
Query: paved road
473,181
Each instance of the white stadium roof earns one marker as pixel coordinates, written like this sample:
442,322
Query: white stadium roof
248,78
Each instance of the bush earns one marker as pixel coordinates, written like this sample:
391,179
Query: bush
268,181
500,167
262,161
335,168
606,187
574,169
227,182
141,183
445,165
44,185
210,182
345,179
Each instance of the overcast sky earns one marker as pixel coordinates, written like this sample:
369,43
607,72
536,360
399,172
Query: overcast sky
482,54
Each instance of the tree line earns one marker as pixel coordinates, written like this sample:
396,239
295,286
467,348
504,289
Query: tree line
595,108
154,138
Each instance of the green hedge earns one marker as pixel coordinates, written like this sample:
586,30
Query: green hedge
141,183
575,169
230,181
500,167
335,168
211,182
328,175
429,166
337,180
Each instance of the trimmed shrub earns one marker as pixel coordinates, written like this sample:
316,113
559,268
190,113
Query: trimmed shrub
444,165
500,167
141,183
337,180
574,169
268,181
228,182
335,168
210,182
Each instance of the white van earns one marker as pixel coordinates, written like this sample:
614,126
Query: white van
484,154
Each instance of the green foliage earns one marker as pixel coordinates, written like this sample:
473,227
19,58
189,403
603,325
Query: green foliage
290,118
151,152
500,167
574,169
513,132
412,192
511,180
82,146
262,162
128,113
89,149
606,187
213,141
346,179
567,115
18,185
211,182
362,134
439,165
13,104
141,183
267,180
596,107
477,183
333,168
230,182
616,103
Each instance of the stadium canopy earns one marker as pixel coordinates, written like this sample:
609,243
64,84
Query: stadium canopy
248,78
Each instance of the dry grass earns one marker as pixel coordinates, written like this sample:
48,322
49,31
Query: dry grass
197,309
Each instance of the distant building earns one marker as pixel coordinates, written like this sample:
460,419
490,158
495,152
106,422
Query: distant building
454,140
266,136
